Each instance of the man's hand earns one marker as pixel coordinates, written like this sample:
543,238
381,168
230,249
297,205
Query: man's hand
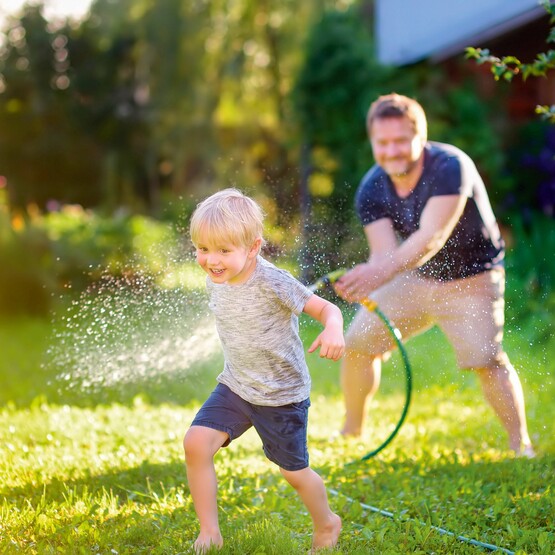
357,284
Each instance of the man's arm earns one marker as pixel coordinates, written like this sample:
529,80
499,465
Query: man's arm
439,218
388,258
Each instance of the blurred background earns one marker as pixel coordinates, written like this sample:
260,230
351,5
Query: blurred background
117,117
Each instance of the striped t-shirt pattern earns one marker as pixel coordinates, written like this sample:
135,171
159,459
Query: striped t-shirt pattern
257,322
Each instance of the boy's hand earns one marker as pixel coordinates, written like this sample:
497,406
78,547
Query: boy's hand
331,343
331,340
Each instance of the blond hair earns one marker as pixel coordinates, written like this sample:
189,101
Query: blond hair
398,106
227,216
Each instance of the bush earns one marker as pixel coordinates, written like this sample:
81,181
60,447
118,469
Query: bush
531,275
26,285
73,247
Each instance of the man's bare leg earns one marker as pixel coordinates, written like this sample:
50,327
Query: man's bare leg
503,390
360,379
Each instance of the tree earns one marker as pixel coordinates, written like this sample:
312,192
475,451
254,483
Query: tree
338,79
43,154
149,95
510,66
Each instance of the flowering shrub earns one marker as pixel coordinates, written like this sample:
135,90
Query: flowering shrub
71,247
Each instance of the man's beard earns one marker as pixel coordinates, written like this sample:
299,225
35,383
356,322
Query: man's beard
409,167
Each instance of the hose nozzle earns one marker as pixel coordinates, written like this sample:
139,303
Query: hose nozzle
328,279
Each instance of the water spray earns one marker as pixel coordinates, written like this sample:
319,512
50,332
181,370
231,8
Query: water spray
123,333
329,280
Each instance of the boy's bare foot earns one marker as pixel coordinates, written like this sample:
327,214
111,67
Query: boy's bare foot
327,537
204,542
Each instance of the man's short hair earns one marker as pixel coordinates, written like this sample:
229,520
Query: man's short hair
398,106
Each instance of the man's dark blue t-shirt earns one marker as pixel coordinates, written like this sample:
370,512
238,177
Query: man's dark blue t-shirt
475,245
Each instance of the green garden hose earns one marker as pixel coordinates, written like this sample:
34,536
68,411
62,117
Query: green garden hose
370,305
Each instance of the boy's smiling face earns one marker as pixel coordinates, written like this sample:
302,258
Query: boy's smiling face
225,262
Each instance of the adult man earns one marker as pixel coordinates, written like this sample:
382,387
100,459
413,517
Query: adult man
436,257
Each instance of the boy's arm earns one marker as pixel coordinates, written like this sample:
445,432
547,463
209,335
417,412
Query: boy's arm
330,340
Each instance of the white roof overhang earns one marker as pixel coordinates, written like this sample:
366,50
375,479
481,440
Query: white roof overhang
411,30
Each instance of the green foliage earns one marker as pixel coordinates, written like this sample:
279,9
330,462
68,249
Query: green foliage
335,80
332,92
144,98
42,152
87,244
24,341
26,280
531,270
339,79
73,247
508,67
546,112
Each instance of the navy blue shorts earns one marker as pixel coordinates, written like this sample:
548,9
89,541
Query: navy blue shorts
283,429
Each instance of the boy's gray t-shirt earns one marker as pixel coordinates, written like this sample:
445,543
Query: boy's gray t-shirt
257,322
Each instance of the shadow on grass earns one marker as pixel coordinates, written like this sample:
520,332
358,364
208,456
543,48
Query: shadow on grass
143,484
506,503
147,509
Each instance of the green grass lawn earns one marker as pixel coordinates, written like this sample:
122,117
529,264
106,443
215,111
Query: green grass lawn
100,469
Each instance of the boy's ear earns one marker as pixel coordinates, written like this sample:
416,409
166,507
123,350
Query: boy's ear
255,249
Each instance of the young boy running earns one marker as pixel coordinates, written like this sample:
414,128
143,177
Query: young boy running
265,382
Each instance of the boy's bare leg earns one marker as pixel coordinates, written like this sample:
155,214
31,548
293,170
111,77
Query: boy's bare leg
200,445
311,489
360,379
